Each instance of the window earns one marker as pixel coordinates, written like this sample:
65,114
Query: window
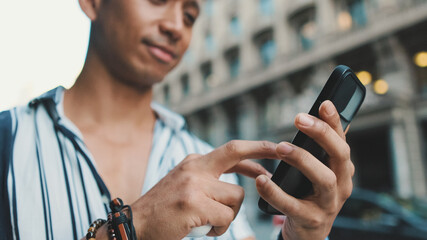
352,14
206,70
166,93
268,51
233,60
235,27
188,57
266,7
305,27
357,12
306,34
185,83
208,7
267,46
209,42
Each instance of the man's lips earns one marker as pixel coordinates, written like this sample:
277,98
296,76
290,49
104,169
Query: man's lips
162,53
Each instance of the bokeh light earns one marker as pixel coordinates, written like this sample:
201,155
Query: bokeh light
420,59
365,77
344,21
381,87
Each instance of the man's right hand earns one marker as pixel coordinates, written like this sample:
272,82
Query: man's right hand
191,194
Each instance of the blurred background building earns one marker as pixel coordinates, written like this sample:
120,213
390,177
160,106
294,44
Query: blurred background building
254,64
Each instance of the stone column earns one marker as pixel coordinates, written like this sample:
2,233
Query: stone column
394,67
282,29
247,117
399,155
326,17
249,53
248,130
218,126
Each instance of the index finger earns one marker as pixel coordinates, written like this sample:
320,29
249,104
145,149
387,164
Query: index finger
228,155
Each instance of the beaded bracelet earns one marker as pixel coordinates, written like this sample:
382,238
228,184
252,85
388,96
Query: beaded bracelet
91,232
111,231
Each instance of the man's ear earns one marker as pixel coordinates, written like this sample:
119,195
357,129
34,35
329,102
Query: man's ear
90,8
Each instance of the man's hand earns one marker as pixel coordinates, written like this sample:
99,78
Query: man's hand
191,194
312,218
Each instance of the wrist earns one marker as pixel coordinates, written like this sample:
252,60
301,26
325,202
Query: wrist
102,233
139,221
284,236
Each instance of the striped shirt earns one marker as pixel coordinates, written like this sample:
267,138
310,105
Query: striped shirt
50,186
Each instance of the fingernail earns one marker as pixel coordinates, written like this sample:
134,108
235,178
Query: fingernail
269,175
305,120
329,109
284,148
262,179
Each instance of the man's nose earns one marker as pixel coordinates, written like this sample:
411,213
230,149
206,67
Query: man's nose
173,24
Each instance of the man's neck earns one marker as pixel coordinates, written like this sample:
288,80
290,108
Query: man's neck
98,100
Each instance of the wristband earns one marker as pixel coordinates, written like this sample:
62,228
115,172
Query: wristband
120,226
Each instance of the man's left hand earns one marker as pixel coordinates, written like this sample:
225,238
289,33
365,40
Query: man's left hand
312,217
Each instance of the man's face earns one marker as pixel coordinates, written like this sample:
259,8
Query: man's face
140,41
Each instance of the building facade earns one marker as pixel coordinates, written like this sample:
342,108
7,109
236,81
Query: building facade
254,64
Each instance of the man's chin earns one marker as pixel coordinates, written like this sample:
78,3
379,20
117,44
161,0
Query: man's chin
143,83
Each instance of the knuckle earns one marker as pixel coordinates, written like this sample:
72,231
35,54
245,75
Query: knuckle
240,193
193,156
186,201
324,128
352,169
229,216
232,147
188,164
330,181
346,151
315,221
347,192
189,181
300,158
343,152
265,146
292,207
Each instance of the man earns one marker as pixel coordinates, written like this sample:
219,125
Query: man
67,153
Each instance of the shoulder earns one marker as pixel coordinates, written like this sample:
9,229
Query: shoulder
9,118
5,126
5,119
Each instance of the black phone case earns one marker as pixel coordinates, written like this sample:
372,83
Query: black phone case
347,93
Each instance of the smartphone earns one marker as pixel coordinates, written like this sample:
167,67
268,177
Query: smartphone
347,93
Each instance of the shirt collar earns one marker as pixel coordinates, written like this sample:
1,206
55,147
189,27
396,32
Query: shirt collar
168,117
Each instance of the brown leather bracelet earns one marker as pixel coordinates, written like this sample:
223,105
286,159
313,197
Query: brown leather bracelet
121,225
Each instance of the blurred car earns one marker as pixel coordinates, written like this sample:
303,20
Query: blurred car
368,215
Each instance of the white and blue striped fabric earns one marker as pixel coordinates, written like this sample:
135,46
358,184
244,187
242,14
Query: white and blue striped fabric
50,186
